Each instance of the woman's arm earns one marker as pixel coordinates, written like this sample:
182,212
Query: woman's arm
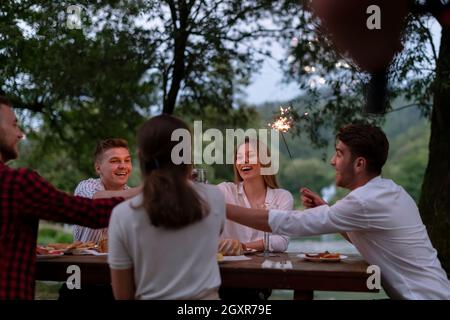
123,284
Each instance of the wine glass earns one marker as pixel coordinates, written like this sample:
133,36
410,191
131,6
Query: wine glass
266,240
199,175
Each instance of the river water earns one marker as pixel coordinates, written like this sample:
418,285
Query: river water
328,242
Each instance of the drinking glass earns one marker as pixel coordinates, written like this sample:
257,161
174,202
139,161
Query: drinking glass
199,175
266,239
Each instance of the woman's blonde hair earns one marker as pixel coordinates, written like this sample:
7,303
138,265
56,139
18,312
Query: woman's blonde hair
269,180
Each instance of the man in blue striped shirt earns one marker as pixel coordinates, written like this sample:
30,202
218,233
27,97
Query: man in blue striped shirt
112,162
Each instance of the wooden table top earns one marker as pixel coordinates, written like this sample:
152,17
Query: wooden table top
285,271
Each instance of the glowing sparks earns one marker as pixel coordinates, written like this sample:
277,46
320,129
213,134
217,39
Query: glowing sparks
284,122
281,124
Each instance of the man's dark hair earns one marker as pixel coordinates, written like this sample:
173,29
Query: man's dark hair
368,142
5,101
107,144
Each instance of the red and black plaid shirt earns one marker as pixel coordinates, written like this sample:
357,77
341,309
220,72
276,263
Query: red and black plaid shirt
25,197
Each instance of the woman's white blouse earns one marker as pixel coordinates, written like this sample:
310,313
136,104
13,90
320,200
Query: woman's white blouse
275,199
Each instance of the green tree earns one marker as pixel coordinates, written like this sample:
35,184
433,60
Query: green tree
76,85
311,173
408,158
127,61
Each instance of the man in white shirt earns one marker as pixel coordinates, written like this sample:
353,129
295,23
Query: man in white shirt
377,216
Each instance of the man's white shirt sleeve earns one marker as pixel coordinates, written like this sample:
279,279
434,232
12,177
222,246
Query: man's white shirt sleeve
347,214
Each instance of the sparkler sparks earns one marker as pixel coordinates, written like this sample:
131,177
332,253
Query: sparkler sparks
283,123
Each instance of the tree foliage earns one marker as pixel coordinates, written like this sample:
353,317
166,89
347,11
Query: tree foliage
333,84
127,61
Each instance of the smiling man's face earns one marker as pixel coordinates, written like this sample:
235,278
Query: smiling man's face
343,163
114,168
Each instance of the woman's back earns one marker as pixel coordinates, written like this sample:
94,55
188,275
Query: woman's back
168,264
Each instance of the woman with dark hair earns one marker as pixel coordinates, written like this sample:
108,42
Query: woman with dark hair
163,242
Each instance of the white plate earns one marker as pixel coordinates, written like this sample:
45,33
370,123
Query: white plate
83,252
235,258
319,259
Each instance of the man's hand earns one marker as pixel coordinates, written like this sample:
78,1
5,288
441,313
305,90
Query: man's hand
310,199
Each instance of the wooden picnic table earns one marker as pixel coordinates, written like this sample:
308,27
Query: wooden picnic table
285,271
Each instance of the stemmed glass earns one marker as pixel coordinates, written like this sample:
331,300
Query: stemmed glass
266,252
199,175
202,175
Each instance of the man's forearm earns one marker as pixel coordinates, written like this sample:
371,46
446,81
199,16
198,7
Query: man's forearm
254,218
127,194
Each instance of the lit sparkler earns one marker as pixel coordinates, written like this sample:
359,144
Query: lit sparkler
283,123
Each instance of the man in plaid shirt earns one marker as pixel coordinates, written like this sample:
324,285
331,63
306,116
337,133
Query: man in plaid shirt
25,197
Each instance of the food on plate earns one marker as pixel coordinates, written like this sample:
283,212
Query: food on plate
219,257
60,248
103,245
75,245
231,247
57,246
83,245
331,255
324,255
40,250
249,250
